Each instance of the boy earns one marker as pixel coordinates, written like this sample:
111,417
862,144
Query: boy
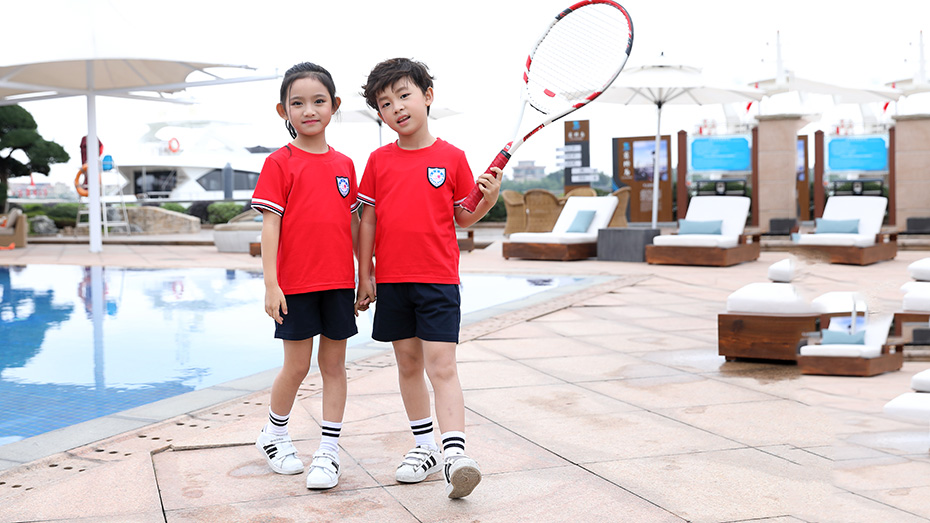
412,190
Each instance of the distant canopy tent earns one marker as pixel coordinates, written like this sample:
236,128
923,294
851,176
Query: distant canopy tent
141,79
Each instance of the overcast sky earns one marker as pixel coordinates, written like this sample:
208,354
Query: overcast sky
475,49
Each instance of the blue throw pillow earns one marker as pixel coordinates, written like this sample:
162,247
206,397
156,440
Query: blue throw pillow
836,226
700,227
830,337
582,221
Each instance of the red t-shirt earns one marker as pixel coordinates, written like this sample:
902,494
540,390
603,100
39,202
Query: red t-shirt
414,194
315,195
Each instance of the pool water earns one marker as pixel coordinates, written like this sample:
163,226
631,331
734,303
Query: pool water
78,343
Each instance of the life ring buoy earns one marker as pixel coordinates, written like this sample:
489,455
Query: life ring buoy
174,145
80,181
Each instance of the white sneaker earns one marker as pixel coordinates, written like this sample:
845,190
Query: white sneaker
420,462
324,471
280,453
462,476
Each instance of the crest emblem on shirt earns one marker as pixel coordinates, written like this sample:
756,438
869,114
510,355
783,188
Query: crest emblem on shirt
342,183
436,176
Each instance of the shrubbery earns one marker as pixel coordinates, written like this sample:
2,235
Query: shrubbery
171,206
222,212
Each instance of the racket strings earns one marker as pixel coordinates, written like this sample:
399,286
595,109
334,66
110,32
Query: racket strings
579,55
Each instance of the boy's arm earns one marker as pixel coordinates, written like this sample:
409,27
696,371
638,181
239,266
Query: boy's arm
366,246
490,186
275,303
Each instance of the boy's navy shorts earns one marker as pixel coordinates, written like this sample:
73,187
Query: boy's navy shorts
330,313
429,311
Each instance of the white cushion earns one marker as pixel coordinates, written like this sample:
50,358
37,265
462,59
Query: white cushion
842,350
837,239
697,240
767,298
731,209
920,270
921,381
782,271
916,286
838,301
916,301
553,237
869,210
603,207
910,405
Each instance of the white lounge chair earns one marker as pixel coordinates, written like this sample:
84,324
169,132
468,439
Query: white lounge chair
699,241
574,235
850,232
768,321
871,357
913,405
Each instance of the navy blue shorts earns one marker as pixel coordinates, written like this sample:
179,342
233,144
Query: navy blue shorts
330,313
429,311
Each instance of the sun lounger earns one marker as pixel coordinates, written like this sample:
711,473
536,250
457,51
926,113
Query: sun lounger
871,356
850,232
711,234
574,235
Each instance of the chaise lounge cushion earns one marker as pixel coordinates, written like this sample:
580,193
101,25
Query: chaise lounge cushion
920,382
603,207
782,271
910,405
920,270
916,301
876,334
868,210
768,298
731,210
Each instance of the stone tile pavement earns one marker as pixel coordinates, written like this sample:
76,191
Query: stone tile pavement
608,403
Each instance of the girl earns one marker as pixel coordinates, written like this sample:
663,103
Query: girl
307,195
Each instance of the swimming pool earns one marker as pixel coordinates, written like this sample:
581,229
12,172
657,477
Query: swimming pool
78,343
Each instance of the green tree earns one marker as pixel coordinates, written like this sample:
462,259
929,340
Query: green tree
18,132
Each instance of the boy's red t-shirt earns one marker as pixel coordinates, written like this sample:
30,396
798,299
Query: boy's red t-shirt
315,195
414,194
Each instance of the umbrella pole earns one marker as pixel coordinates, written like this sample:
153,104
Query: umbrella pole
655,167
93,175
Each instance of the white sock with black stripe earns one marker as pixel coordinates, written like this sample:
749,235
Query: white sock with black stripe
277,424
453,443
423,433
329,441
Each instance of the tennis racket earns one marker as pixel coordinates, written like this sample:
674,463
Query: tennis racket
577,57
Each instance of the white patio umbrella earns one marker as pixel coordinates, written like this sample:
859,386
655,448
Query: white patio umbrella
118,77
368,114
918,83
663,83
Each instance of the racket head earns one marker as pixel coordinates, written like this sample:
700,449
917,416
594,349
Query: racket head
578,56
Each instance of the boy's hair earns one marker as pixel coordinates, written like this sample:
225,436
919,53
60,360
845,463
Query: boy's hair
307,70
387,73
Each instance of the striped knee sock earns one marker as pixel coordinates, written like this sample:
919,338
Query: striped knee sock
423,433
277,424
453,443
330,438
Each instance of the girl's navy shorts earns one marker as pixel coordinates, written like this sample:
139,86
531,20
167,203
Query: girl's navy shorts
330,313
429,311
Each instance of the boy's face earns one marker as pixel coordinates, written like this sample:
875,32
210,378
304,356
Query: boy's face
403,106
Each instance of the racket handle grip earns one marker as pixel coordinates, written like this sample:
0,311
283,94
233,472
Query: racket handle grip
470,203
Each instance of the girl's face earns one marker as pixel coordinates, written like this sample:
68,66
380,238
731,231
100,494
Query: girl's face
309,106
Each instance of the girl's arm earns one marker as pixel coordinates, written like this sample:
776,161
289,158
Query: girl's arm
366,247
490,187
275,303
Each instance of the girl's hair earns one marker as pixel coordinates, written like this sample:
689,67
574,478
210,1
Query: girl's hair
306,70
387,73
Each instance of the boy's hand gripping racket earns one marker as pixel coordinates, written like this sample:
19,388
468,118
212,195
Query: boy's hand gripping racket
577,57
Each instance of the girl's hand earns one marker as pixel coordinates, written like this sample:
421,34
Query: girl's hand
490,185
275,303
366,295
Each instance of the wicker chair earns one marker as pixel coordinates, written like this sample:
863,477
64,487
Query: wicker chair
619,217
516,212
542,210
581,191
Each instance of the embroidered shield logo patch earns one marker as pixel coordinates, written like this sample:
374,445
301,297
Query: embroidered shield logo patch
436,176
342,183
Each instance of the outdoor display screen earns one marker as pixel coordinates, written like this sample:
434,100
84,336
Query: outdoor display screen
857,153
720,154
